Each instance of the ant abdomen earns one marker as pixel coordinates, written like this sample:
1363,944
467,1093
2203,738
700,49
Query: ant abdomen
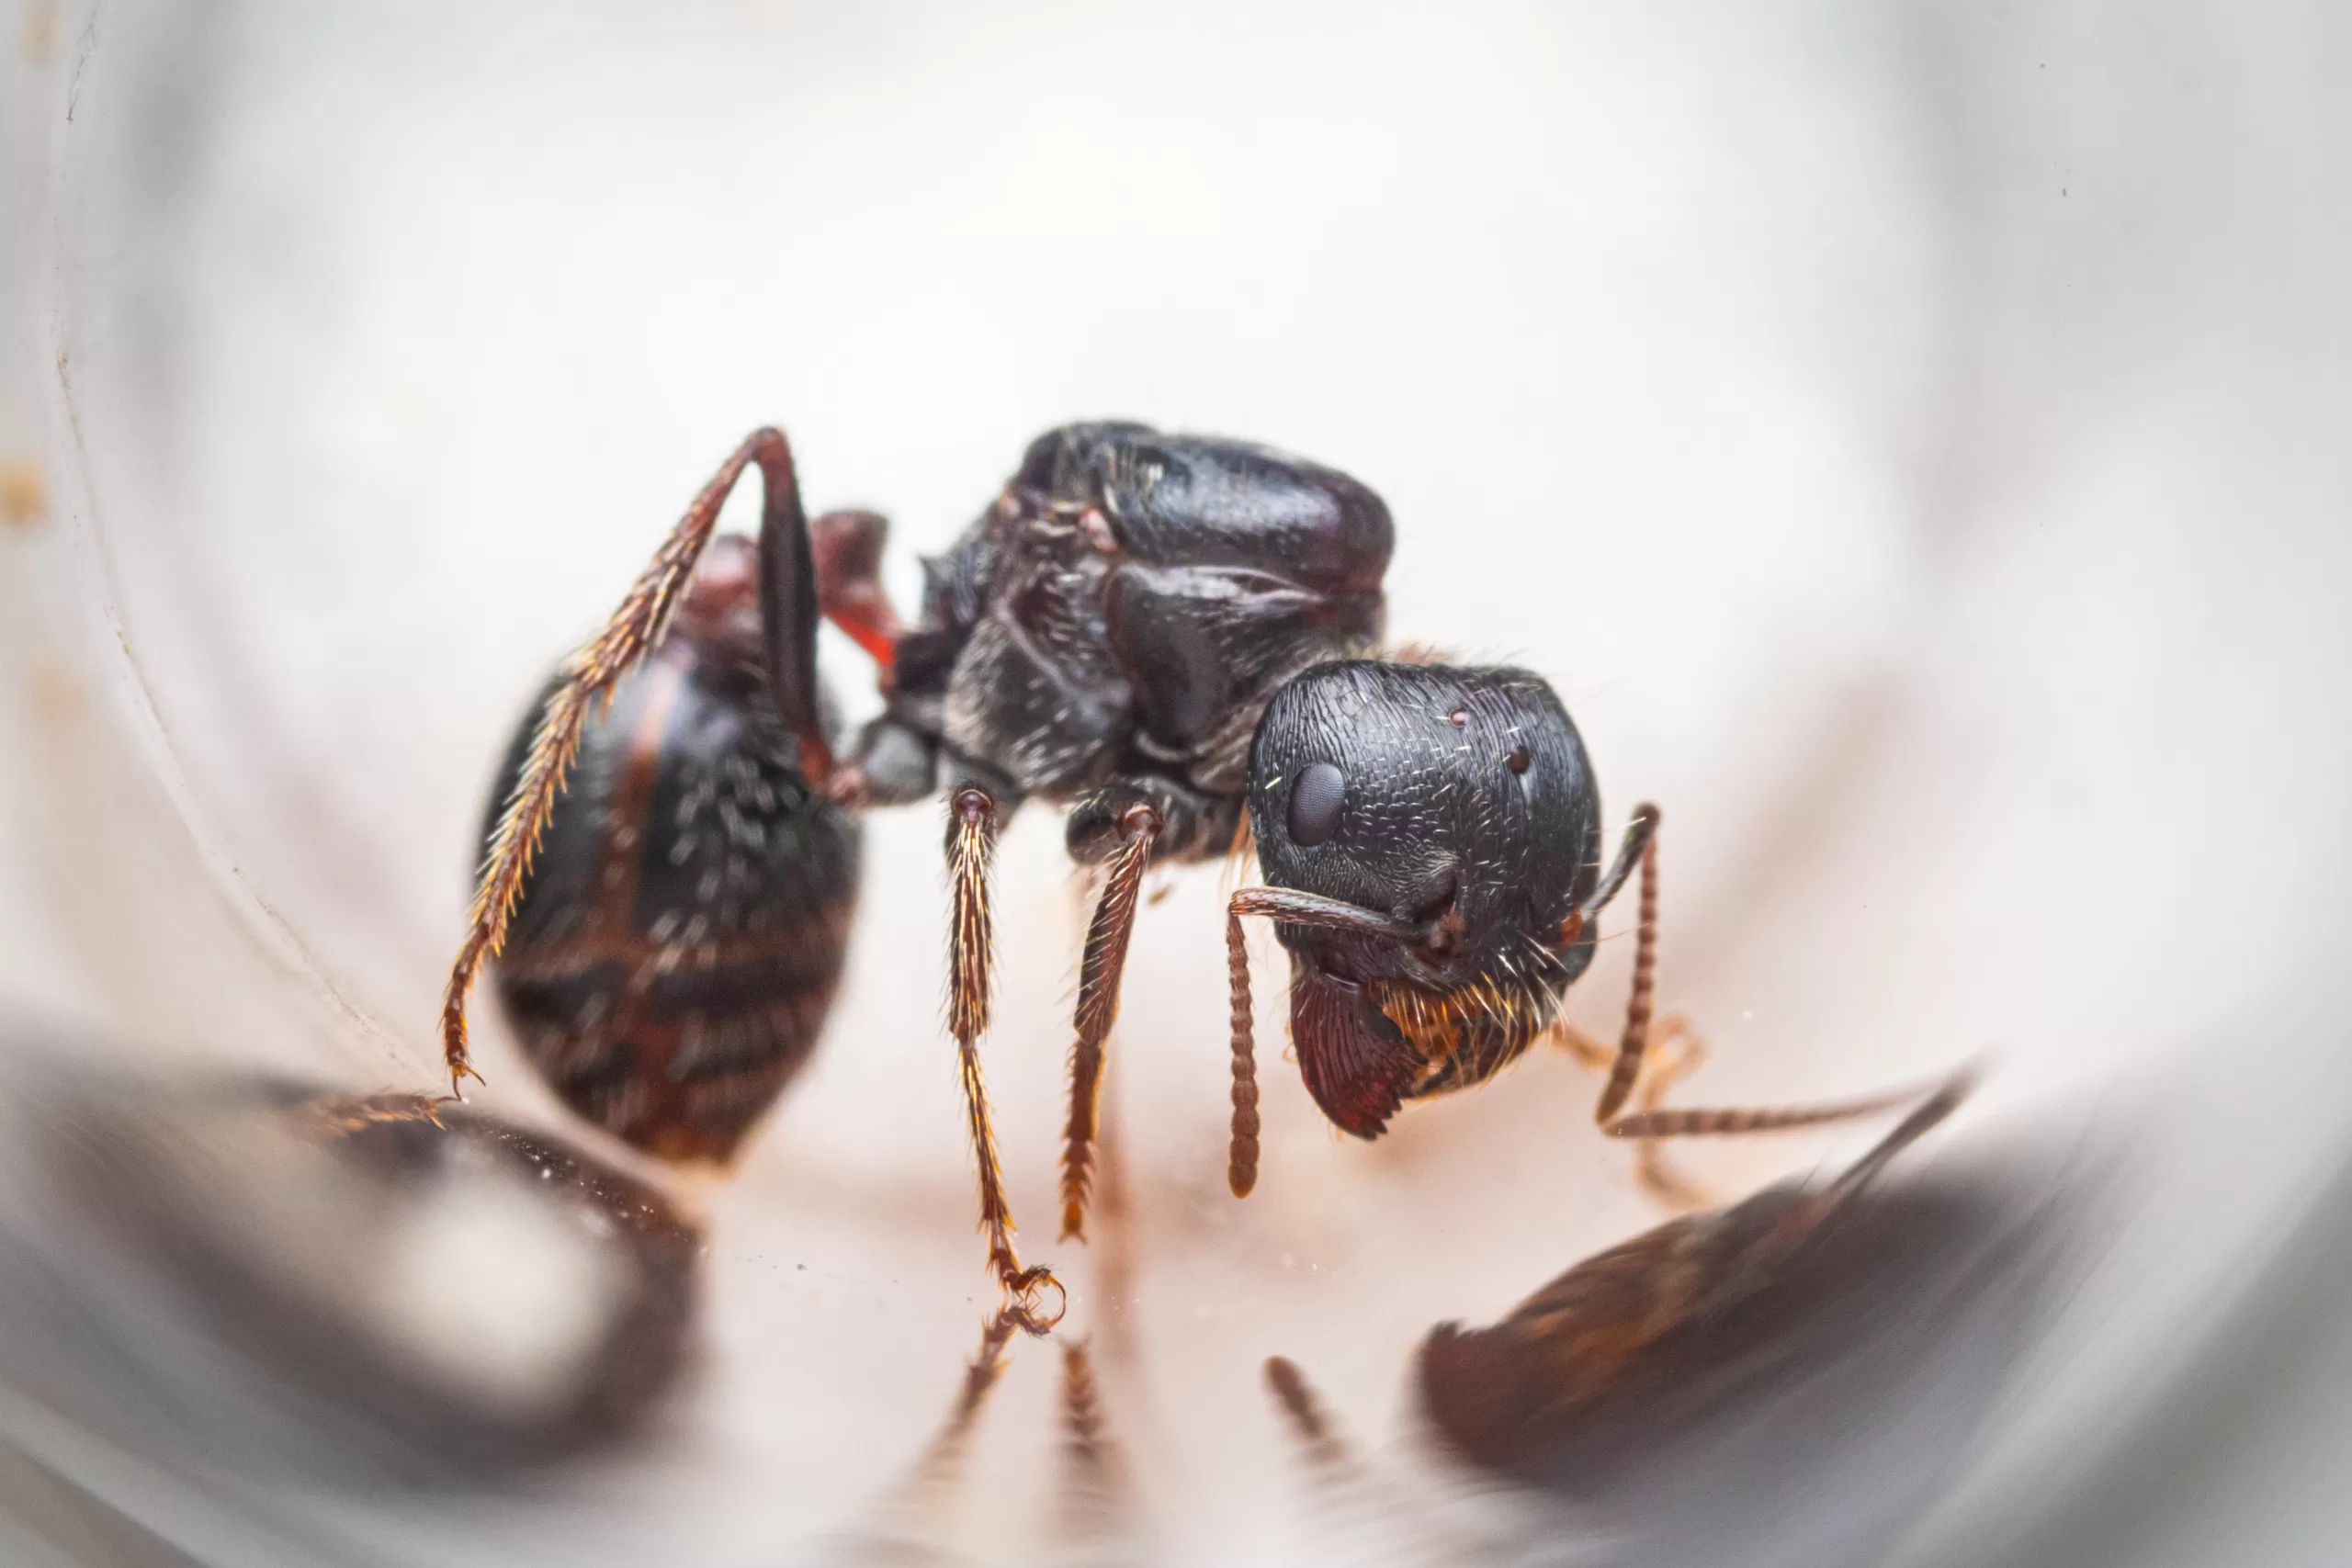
677,943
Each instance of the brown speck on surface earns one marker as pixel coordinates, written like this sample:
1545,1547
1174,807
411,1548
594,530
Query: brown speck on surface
38,42
24,493
54,693
1519,759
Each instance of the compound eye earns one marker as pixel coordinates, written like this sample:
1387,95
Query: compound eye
1315,798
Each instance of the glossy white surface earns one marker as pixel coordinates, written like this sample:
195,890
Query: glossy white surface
1909,437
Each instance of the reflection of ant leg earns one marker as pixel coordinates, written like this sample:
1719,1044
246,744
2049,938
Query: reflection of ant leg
1372,1510
1633,1055
971,845
1096,1502
1326,1451
945,1456
903,1523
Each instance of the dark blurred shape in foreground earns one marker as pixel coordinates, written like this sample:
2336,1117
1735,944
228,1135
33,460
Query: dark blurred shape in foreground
1787,1380
249,1278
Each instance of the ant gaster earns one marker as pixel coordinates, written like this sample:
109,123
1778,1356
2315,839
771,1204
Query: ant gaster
671,955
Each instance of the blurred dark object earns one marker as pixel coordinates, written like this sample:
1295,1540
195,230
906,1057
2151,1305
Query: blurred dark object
252,1279
1838,1344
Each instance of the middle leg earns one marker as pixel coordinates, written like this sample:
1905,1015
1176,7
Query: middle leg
971,846
1098,1005
1127,826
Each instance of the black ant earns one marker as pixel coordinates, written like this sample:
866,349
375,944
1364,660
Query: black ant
1159,632
1105,636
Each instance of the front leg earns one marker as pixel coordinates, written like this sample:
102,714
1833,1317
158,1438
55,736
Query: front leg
1125,825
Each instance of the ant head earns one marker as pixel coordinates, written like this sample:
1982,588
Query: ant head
1444,827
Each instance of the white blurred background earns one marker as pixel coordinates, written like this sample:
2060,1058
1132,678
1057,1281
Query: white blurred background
1910,436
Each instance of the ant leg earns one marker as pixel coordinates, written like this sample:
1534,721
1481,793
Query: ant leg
1662,1072
1098,1004
971,844
1650,1166
1792,1229
1945,1100
587,678
788,612
1632,1049
1589,1052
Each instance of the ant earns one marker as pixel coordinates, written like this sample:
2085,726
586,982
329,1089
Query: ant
1160,632
1103,637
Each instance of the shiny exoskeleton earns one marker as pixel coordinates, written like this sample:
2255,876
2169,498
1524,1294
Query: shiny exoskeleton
1104,637
1457,805
672,955
1157,632
1431,843
1109,631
